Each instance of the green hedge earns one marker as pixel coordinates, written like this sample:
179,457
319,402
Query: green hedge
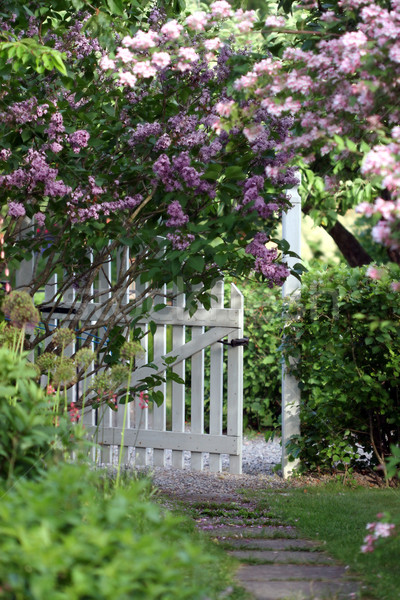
345,333
262,357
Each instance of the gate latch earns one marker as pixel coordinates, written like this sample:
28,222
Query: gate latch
234,343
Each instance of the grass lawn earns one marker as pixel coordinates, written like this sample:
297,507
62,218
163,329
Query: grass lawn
337,516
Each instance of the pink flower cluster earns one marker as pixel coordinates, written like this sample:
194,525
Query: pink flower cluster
377,530
73,413
148,52
143,400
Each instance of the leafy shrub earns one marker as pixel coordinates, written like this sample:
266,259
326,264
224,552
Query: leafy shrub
65,537
29,439
345,333
262,357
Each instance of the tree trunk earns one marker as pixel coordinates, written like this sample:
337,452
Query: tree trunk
349,246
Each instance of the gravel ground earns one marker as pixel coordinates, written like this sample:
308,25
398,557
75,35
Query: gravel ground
259,459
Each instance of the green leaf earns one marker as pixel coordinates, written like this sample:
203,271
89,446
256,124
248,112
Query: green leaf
234,173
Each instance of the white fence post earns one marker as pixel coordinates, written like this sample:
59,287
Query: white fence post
235,385
291,232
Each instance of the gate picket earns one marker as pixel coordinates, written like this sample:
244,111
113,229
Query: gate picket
147,429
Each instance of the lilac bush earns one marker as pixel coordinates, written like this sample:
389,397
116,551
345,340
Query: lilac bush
124,151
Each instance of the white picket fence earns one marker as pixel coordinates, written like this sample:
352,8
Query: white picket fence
148,434
152,432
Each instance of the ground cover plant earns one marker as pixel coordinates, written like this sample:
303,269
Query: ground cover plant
73,535
337,517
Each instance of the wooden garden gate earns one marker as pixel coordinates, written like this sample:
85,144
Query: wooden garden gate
149,433
214,387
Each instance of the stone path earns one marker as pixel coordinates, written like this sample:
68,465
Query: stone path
275,563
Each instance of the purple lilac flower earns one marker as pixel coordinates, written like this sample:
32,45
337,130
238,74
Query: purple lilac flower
162,167
55,147
94,188
16,179
78,140
195,138
176,214
206,153
24,112
143,131
5,154
40,218
163,142
81,215
56,125
56,188
191,177
16,209
179,241
181,161
275,273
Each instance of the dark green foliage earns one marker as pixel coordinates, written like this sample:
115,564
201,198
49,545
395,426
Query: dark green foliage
262,357
29,439
68,537
345,334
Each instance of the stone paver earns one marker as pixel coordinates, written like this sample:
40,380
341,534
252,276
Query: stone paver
300,590
290,571
271,543
246,532
285,556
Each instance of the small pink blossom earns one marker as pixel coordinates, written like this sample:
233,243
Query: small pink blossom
124,55
274,21
143,400
246,81
161,59
245,26
395,285
127,78
106,63
224,108
188,54
272,172
253,132
171,30
213,44
221,9
373,273
144,69
197,21
216,126
365,208
328,16
396,133
142,40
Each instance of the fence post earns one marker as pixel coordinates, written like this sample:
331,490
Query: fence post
235,384
291,232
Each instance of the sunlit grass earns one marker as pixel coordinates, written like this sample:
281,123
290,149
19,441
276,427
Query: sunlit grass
337,517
